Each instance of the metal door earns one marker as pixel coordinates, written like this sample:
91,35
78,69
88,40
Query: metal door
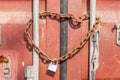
14,15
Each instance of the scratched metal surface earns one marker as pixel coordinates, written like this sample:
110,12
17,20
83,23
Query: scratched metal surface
14,14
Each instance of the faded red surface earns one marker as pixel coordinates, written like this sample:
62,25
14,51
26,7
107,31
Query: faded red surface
13,57
14,15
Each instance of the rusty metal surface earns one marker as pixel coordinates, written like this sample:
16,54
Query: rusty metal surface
13,56
13,17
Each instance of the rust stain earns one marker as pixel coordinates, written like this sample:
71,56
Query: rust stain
3,59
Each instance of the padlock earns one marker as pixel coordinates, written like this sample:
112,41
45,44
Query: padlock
52,67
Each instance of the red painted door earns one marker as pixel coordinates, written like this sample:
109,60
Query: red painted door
14,15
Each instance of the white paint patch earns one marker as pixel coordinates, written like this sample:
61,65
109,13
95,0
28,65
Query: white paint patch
14,17
108,15
23,64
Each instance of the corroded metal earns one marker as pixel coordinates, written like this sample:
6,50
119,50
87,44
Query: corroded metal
64,16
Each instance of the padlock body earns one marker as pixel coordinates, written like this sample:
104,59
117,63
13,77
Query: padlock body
52,67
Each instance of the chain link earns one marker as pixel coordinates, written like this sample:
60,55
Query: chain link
72,19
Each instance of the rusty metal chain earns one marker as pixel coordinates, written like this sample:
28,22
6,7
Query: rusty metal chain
71,18
3,59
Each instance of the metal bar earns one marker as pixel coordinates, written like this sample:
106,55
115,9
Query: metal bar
36,37
92,21
63,39
118,33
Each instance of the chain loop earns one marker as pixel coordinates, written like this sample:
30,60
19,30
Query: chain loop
71,18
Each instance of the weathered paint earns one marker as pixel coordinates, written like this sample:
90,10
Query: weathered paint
14,14
13,58
12,19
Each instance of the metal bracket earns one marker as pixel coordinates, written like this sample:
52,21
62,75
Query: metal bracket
29,72
95,56
6,69
96,36
118,34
